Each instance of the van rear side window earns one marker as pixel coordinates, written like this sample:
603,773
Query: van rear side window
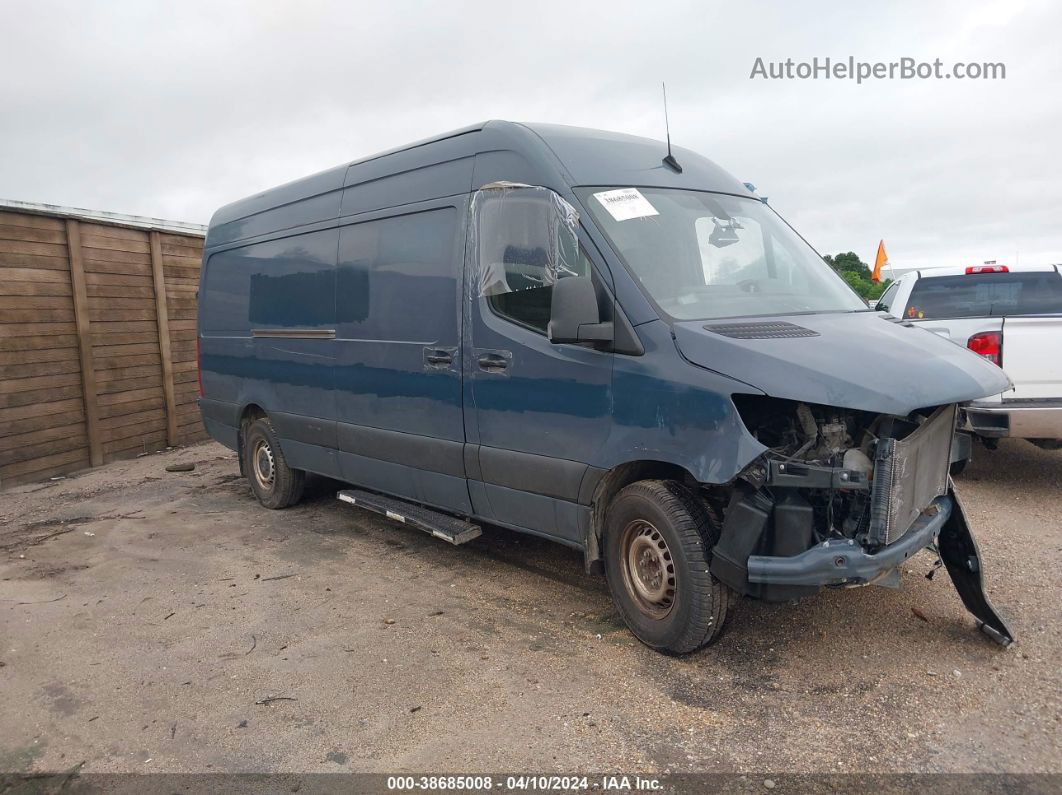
986,295
286,283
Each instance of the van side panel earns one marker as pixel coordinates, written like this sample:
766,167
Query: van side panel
267,318
398,353
413,160
442,169
305,201
447,178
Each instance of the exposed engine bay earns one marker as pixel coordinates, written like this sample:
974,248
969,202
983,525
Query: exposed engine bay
809,444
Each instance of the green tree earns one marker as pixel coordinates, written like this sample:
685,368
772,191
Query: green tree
857,273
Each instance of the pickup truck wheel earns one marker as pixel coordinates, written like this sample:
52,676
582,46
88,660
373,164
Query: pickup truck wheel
273,482
658,538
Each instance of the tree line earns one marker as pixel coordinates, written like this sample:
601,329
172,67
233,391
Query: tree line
857,273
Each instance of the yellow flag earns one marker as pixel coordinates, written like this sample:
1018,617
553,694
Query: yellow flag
882,259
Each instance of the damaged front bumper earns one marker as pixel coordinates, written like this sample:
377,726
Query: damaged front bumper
843,562
839,561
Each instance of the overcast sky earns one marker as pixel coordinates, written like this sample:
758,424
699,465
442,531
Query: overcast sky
172,109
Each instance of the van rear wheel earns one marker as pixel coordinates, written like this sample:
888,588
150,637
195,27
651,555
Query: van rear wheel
658,539
273,482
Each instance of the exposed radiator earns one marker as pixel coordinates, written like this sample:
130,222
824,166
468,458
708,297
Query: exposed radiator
908,475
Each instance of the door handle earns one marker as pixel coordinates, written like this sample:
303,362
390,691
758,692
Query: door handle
493,361
438,357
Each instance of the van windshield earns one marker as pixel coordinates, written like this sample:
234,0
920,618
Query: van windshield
710,255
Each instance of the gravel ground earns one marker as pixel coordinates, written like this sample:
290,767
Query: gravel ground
154,621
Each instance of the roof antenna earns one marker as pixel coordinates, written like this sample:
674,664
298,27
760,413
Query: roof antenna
670,160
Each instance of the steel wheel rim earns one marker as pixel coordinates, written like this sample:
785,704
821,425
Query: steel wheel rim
263,464
648,569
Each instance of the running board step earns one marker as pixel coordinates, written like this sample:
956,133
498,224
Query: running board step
448,528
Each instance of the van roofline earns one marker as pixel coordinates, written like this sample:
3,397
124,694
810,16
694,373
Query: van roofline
319,182
578,155
422,142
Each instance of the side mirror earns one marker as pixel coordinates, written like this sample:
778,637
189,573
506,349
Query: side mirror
574,316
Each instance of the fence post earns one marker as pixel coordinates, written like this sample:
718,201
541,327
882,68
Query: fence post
84,342
162,313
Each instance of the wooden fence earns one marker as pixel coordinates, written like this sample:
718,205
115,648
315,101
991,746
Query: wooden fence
97,343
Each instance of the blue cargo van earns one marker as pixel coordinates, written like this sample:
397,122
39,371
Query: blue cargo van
581,335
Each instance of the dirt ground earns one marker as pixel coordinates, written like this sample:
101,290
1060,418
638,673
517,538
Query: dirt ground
154,621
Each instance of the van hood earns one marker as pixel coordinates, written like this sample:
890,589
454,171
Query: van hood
868,361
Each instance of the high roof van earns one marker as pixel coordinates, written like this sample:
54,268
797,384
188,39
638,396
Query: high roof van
585,336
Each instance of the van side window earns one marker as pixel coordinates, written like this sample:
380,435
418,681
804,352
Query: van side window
530,305
279,284
395,275
523,240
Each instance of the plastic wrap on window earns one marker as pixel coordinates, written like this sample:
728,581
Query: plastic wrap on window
520,237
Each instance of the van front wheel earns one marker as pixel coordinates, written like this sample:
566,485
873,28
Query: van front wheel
658,538
273,482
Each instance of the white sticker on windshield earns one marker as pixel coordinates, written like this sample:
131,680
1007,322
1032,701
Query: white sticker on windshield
625,204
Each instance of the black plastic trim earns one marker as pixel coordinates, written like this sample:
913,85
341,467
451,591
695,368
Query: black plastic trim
220,411
591,478
537,474
300,428
421,452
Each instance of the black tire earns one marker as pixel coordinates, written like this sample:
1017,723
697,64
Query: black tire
958,467
690,610
274,483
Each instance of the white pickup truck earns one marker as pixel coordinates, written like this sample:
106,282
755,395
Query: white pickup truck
1012,316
